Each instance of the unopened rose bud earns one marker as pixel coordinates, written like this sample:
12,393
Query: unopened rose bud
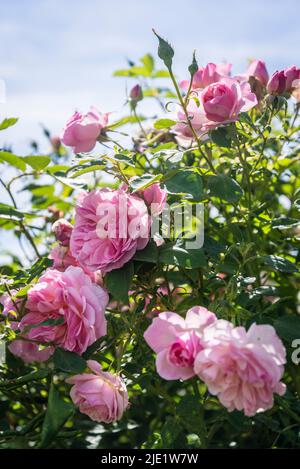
277,83
136,94
258,70
62,230
292,75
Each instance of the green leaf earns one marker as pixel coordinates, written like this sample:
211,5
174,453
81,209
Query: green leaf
288,327
68,361
221,137
37,162
10,213
148,61
164,123
279,263
58,412
174,254
171,434
70,182
8,122
225,188
149,254
140,183
118,282
189,412
165,51
123,159
284,223
185,182
13,160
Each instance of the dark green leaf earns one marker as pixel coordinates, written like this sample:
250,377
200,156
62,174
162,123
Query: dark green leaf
221,137
187,182
68,361
58,412
288,327
118,282
279,263
149,254
225,188
174,254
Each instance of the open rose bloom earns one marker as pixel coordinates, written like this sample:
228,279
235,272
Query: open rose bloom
82,130
177,341
242,368
101,395
110,226
74,302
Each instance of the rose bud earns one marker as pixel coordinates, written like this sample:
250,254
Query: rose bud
62,230
136,93
258,70
277,83
292,74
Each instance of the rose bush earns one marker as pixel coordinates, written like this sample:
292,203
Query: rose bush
127,323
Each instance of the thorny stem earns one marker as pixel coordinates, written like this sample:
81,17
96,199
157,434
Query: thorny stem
183,104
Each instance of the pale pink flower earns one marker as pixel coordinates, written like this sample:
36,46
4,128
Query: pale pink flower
207,75
110,226
72,298
177,341
100,395
82,130
243,369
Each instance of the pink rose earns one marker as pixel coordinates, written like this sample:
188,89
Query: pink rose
242,368
82,130
27,351
197,119
100,395
155,197
110,226
207,75
223,101
277,83
71,297
30,352
177,341
62,257
292,75
62,230
258,70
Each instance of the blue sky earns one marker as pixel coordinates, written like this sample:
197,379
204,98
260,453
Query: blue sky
58,55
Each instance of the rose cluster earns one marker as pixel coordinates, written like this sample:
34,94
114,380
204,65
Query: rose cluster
66,307
242,368
215,98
